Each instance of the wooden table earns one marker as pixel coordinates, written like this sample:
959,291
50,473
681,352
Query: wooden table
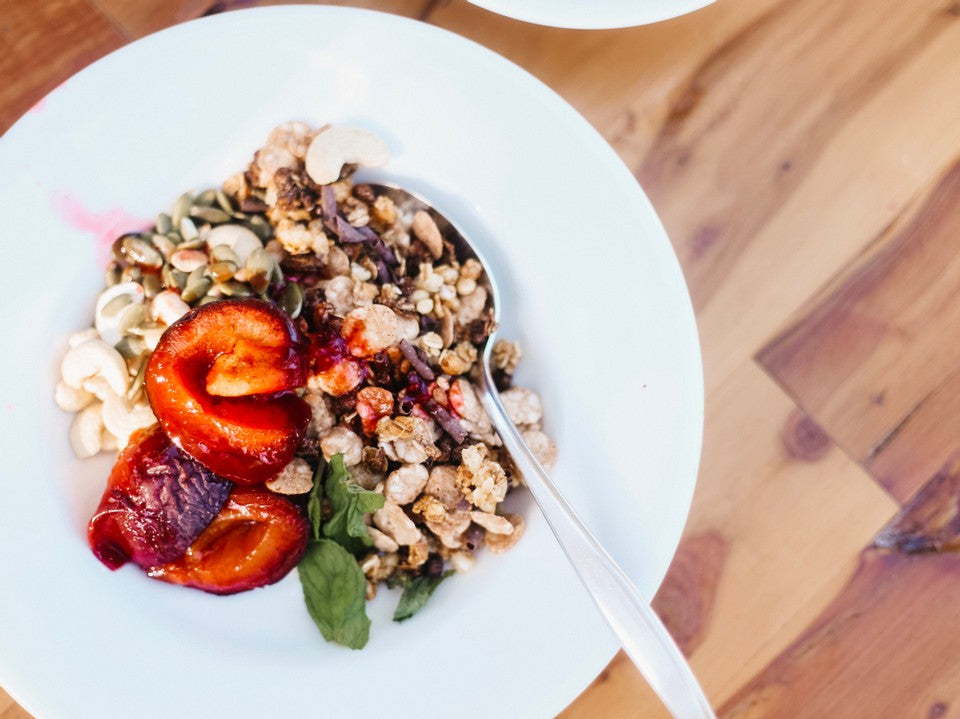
803,155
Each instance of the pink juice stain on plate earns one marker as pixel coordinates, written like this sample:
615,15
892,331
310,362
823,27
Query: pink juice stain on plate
105,226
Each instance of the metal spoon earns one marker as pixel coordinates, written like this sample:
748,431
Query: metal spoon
641,633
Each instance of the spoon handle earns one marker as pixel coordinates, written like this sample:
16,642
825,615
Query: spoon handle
641,633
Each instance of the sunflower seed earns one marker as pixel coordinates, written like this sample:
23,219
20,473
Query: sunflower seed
180,208
136,386
130,317
165,245
197,285
163,225
224,201
221,271
223,253
131,346
205,199
175,237
188,229
291,300
207,300
194,244
232,288
152,284
213,215
135,250
114,306
173,279
261,266
112,275
260,227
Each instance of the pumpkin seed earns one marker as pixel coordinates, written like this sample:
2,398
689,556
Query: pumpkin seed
195,244
291,299
187,260
165,245
188,229
135,250
224,201
131,274
207,300
224,253
260,227
152,284
213,215
136,386
175,237
197,285
205,199
221,271
130,317
112,275
232,288
163,224
131,346
180,208
173,278
114,306
261,266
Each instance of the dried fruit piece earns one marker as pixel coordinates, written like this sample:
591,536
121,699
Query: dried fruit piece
255,540
157,502
252,430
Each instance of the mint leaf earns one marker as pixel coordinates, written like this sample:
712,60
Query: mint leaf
334,590
350,502
315,500
416,594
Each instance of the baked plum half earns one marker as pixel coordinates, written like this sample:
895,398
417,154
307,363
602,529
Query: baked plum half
157,502
221,383
255,540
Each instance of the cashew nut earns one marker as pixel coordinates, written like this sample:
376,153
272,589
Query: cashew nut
112,305
71,399
95,358
331,149
78,338
237,237
121,419
167,307
86,430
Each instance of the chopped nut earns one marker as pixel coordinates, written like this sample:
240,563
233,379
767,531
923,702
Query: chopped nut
444,486
292,136
340,440
498,543
394,522
522,405
417,554
472,305
381,541
493,523
404,484
542,447
295,478
370,329
428,233
451,528
337,261
267,161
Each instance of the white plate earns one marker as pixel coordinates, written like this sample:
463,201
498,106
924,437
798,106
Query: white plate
592,287
592,14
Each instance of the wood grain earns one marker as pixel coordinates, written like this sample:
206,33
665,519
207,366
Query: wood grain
882,648
803,155
43,44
